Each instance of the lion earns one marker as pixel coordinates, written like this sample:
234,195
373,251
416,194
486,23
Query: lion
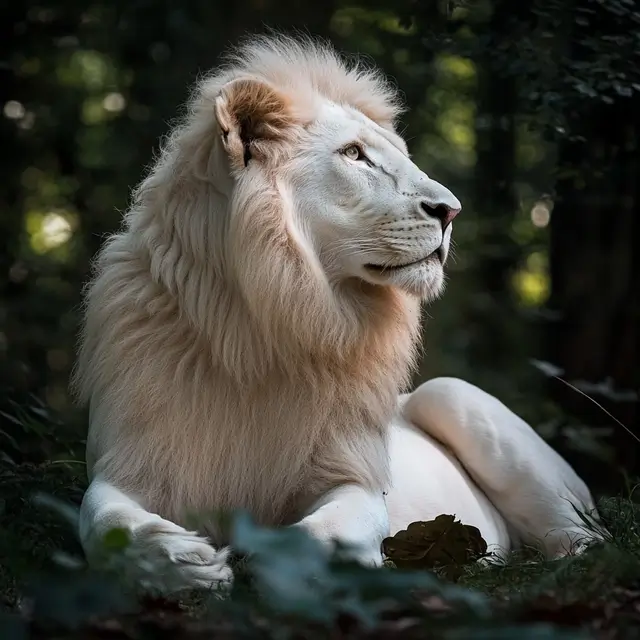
250,332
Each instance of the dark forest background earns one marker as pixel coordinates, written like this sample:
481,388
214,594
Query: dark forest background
529,111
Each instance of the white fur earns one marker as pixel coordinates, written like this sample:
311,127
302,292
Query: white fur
239,352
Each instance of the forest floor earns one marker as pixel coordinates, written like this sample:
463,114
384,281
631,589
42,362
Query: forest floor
45,592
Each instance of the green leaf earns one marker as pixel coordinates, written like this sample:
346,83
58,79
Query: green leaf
116,539
296,575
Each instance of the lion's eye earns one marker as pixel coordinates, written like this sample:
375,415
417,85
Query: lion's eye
354,152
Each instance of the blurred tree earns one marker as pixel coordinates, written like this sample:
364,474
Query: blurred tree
497,254
595,274
14,157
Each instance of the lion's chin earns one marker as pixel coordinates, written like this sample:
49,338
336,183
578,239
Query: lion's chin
424,281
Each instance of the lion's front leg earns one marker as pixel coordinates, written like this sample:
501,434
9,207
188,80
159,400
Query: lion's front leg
353,516
161,556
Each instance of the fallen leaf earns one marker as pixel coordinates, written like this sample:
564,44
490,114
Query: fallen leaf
441,543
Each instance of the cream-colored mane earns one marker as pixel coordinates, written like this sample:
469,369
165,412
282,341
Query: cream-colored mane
222,368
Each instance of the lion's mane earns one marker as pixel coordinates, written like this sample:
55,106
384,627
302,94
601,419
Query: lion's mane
221,368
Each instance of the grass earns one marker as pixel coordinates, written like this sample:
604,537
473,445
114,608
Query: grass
30,535
596,594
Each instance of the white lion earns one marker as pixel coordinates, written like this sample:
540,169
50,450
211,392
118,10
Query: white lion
250,329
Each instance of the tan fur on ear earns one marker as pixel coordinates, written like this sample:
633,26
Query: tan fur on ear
249,113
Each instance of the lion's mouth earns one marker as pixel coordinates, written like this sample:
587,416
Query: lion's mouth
438,254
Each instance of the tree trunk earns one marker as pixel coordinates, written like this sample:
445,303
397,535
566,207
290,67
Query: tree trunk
595,291
491,307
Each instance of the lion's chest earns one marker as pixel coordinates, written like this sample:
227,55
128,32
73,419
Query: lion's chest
265,459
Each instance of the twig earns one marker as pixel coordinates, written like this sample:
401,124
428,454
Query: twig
582,393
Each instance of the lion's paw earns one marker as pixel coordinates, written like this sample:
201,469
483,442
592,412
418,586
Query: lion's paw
168,558
366,551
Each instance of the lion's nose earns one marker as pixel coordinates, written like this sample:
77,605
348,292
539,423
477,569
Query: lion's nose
436,201
445,212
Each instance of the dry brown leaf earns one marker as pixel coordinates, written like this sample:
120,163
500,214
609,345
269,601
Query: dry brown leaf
441,543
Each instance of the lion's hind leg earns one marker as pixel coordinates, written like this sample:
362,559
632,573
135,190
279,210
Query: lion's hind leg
161,556
534,488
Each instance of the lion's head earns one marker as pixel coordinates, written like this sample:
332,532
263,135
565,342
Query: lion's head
362,207
291,122
284,216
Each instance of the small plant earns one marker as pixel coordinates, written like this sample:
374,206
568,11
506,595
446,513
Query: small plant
289,585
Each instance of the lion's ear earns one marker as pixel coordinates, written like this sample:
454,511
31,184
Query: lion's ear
251,113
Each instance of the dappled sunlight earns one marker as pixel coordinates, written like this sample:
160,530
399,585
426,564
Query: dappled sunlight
13,110
88,69
96,75
452,100
460,68
531,283
16,111
48,231
529,226
114,102
541,214
99,109
455,124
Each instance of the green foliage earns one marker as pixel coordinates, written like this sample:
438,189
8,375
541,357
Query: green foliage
564,58
296,575
289,584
